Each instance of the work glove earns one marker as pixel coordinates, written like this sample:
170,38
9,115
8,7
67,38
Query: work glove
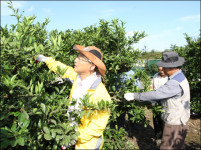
41,58
59,80
129,96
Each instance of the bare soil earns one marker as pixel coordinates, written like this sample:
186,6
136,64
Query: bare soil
144,138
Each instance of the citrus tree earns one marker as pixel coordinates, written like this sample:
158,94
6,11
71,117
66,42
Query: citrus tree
34,103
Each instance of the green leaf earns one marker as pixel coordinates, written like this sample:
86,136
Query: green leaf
16,113
38,113
58,137
39,137
57,89
65,141
36,89
39,123
13,143
34,110
20,141
59,131
25,114
46,130
53,134
6,67
34,98
13,128
47,136
113,88
75,137
21,119
13,78
43,107
53,121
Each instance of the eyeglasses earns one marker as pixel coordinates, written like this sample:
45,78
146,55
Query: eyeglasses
83,59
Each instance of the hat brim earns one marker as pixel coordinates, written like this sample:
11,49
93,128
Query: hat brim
95,60
178,63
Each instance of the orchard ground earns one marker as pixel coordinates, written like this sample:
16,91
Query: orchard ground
143,138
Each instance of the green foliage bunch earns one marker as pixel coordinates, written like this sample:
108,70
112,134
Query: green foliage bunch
191,52
150,55
34,104
151,69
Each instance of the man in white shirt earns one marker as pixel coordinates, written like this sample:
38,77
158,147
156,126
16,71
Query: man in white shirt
158,80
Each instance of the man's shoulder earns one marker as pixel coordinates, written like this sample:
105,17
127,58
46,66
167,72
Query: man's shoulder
156,75
101,91
179,77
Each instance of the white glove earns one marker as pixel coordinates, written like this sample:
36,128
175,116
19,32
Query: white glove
41,58
59,80
129,96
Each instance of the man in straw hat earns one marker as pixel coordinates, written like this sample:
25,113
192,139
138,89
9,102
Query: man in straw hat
86,78
175,100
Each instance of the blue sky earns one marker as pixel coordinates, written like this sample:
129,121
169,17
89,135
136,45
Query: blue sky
165,22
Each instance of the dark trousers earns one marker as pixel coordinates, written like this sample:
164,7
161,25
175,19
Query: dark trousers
158,126
173,137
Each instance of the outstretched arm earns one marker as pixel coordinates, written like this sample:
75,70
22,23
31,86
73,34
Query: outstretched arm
55,66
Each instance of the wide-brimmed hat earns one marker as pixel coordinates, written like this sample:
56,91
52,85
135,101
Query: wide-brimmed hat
94,55
170,59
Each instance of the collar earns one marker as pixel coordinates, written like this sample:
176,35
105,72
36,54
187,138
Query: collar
176,73
89,80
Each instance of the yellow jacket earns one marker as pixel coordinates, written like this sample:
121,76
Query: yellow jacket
91,130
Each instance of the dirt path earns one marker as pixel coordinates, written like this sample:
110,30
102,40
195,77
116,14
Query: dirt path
143,138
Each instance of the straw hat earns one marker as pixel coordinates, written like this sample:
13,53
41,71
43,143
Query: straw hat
94,55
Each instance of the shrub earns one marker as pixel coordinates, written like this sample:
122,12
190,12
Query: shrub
33,104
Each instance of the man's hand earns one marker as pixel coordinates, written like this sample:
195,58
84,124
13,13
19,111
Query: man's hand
129,96
41,58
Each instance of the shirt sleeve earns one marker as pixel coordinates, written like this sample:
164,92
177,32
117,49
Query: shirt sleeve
53,65
168,90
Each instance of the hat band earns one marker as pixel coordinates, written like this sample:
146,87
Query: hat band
96,53
170,59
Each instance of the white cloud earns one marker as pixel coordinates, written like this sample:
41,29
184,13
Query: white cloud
191,18
47,11
6,11
19,4
31,9
171,31
107,13
162,40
